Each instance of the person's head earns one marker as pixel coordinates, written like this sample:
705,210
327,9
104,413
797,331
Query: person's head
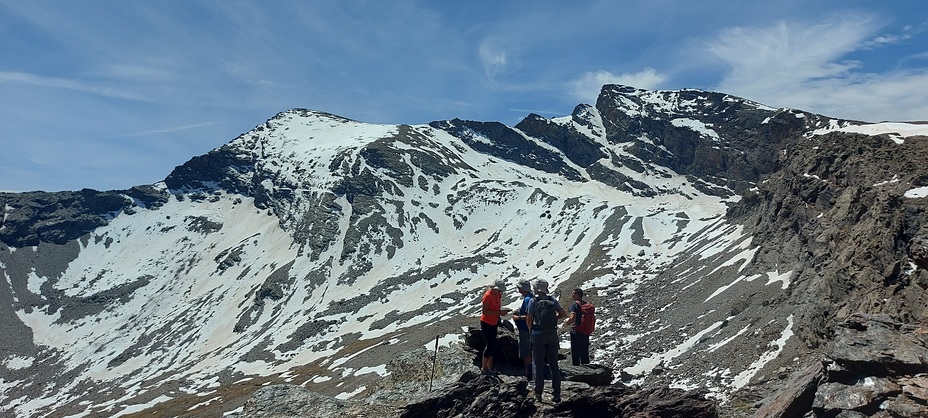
524,287
541,286
577,294
499,285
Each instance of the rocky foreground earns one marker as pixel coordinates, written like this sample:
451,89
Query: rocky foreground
875,367
587,390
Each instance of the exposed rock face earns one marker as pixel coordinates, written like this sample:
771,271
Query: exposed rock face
59,217
874,367
481,396
842,224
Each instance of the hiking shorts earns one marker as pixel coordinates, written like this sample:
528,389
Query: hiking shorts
525,343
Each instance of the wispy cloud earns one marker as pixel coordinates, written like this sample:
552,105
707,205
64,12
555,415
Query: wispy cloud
493,57
762,59
69,84
805,65
587,87
162,131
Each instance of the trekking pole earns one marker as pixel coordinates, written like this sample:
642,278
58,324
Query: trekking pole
434,358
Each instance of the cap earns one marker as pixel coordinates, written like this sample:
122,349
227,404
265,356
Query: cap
541,286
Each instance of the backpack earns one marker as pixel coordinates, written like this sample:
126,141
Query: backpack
544,314
587,318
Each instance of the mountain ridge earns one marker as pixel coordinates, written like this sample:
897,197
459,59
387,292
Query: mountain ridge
312,239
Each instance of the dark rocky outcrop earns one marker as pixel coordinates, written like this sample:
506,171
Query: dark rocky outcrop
750,135
577,147
874,367
507,144
58,217
481,396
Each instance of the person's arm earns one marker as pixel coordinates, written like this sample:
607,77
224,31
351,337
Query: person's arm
488,311
561,313
570,321
528,315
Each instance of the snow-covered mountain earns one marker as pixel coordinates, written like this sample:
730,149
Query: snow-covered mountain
313,249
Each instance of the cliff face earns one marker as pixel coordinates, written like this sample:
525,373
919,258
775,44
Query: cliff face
838,211
844,214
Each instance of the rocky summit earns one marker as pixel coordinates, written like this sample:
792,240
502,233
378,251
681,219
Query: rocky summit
743,260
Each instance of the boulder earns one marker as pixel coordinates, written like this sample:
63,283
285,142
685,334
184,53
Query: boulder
797,395
475,395
870,345
591,374
834,396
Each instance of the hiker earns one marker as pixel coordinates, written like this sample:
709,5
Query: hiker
489,323
525,337
544,314
579,342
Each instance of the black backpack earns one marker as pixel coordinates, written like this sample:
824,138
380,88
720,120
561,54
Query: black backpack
544,314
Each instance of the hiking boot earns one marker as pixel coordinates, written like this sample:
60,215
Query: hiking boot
537,398
557,399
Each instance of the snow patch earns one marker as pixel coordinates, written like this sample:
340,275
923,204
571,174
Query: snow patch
18,362
897,131
697,126
381,370
647,364
349,395
743,378
917,192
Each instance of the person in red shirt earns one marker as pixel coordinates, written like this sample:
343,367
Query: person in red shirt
489,323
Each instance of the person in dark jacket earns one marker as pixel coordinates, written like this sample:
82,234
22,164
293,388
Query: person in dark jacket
579,342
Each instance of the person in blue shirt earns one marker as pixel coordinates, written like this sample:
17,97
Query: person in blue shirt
525,336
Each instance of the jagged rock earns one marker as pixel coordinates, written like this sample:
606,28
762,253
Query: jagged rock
797,394
919,251
591,374
508,344
412,375
475,395
480,396
838,396
870,345
904,407
668,402
874,367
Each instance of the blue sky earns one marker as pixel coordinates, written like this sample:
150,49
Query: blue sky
112,94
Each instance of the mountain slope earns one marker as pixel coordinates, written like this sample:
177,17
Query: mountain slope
313,249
